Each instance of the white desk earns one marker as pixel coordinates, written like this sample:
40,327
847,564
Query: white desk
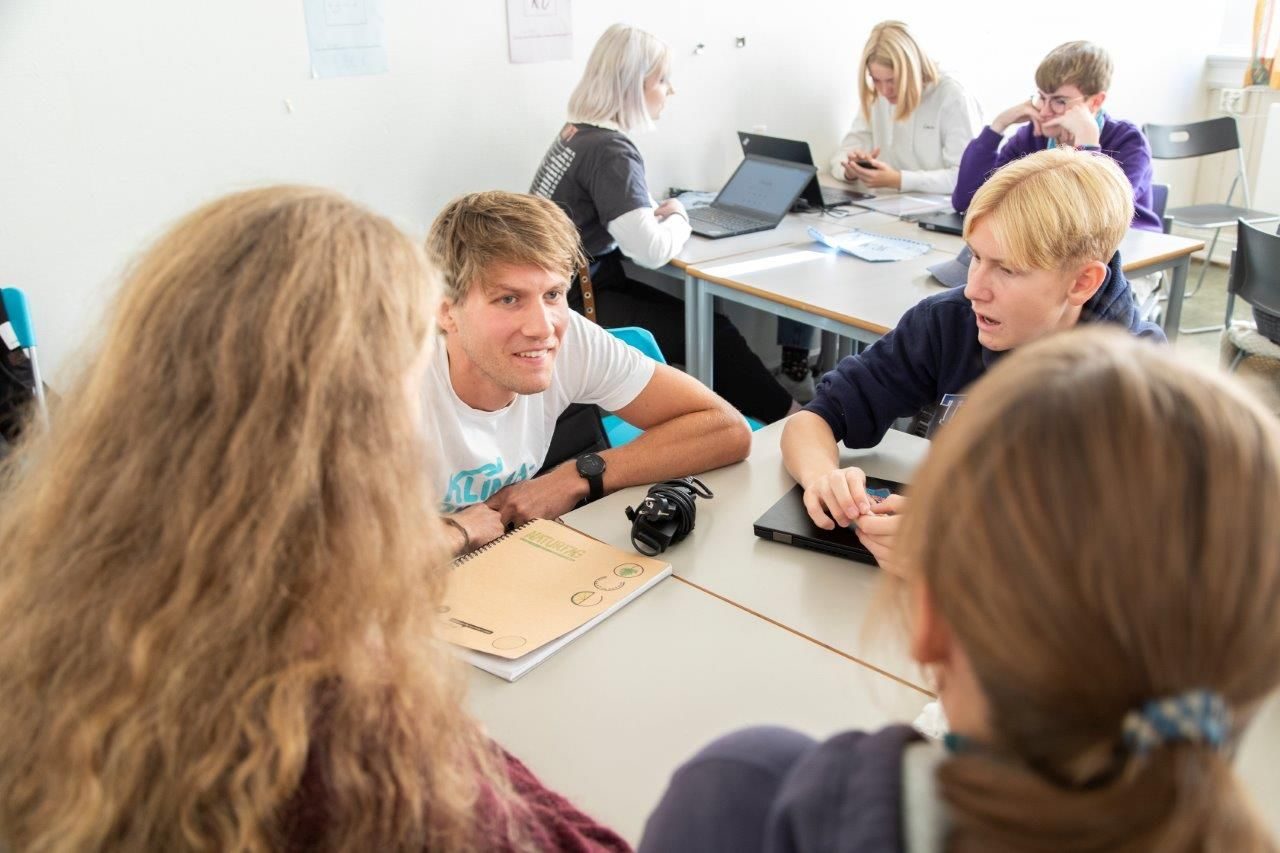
609,717
1141,252
840,294
792,229
835,602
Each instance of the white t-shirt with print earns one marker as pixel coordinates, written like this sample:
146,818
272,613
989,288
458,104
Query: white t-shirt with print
480,452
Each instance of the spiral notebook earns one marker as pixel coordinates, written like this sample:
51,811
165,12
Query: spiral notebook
877,248
518,600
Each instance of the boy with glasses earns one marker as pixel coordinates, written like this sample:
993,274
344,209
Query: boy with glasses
1066,110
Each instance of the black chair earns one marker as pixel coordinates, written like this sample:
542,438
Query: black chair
1255,278
578,430
1159,204
1198,139
1149,304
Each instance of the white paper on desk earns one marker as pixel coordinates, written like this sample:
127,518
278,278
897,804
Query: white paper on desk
876,248
760,264
905,205
539,30
346,37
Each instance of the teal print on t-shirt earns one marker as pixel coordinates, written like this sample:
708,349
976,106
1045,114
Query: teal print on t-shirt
478,484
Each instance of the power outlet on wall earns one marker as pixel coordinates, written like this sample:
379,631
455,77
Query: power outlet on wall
1230,101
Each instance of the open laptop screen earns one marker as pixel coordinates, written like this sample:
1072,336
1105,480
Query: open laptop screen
764,187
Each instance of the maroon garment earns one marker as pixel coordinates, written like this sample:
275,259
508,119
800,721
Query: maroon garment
553,823
557,824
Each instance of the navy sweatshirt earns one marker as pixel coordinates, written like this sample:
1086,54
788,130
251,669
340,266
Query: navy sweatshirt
934,353
776,790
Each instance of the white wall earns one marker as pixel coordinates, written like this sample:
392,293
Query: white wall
120,116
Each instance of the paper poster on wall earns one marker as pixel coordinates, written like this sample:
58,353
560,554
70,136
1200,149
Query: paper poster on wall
347,38
539,30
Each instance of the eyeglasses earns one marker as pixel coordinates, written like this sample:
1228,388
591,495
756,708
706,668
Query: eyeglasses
1057,103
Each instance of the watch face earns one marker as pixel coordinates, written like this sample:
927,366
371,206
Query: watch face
590,465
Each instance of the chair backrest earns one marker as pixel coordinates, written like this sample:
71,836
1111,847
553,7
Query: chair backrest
18,315
641,339
1255,272
1159,202
15,307
1176,141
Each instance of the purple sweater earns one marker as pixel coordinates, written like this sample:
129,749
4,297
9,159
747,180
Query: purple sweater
1121,140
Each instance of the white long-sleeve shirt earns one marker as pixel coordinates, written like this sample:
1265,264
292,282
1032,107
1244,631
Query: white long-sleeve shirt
926,146
648,241
594,171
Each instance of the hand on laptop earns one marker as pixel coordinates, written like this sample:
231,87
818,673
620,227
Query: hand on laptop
670,207
842,492
878,529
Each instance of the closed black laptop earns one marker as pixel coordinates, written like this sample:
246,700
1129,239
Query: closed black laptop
945,223
788,522
815,194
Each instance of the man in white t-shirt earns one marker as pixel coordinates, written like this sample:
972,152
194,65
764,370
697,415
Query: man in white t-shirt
512,357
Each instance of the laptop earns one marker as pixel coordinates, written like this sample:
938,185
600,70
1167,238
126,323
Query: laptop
815,195
788,522
756,198
945,223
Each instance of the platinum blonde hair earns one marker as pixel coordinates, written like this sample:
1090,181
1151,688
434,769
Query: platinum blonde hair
612,85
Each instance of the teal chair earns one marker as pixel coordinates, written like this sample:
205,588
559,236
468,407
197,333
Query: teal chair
619,431
15,307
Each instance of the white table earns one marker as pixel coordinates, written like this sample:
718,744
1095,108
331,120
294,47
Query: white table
835,602
608,718
840,294
793,228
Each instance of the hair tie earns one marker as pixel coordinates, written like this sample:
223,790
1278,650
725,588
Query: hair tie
1196,716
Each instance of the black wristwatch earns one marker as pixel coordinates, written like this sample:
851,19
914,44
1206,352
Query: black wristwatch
591,468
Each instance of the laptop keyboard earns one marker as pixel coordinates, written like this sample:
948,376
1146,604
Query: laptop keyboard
724,219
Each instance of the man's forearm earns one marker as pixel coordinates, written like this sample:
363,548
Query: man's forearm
808,447
688,444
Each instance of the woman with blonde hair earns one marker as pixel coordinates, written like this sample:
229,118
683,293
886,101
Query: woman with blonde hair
594,171
909,133
221,565
913,122
1098,668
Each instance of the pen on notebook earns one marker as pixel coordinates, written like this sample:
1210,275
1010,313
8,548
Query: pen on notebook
469,625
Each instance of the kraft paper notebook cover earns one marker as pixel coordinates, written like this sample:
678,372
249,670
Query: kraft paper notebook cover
517,600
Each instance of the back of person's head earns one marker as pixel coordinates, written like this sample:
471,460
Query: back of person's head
612,85
892,45
1055,208
1082,64
1097,528
481,229
219,565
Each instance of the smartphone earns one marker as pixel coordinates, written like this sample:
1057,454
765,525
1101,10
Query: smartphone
866,164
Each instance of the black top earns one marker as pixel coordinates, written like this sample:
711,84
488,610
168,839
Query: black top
596,175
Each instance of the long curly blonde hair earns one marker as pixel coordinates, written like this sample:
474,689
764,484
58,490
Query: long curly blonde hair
220,567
